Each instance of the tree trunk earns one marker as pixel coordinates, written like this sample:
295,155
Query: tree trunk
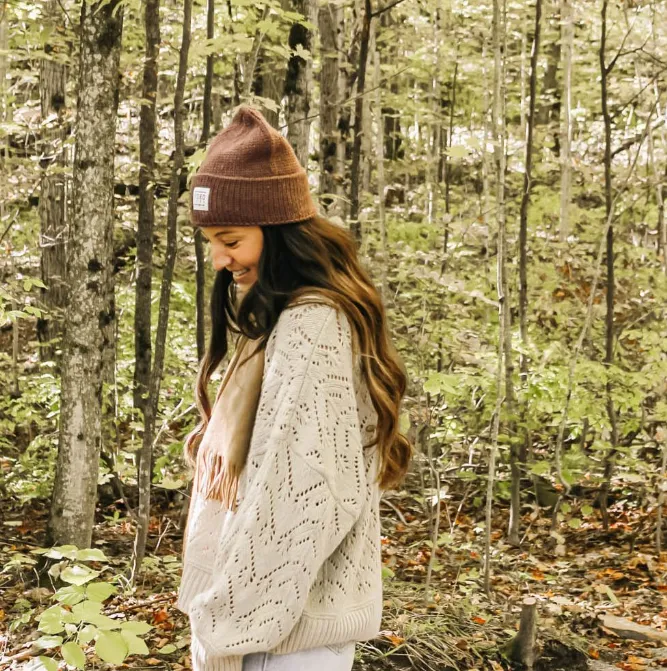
267,77
330,24
151,408
549,111
355,224
609,318
200,256
567,41
89,266
517,453
522,647
446,163
379,157
299,82
52,200
498,133
485,205
146,218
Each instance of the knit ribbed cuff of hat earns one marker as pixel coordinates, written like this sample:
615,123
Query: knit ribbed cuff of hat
238,201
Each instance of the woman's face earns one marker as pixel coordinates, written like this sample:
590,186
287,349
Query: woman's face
237,249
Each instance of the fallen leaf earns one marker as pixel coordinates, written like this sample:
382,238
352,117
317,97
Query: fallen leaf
160,616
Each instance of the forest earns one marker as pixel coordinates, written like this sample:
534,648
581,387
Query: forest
502,166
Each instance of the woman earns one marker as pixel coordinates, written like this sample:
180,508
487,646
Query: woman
282,565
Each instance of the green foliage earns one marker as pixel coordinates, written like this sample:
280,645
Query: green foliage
76,620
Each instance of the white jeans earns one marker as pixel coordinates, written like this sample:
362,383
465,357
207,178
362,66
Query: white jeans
326,658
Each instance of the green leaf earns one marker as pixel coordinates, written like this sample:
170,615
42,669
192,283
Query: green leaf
586,510
100,591
136,627
442,383
78,575
62,552
170,483
404,422
386,573
87,609
540,468
73,655
70,595
170,647
103,622
91,554
135,645
111,647
575,522
86,634
52,620
47,642
48,663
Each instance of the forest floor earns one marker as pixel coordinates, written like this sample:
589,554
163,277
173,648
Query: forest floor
578,575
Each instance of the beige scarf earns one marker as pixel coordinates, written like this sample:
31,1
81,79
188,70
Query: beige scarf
224,447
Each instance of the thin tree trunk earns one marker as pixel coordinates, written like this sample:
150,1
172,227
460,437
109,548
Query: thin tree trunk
379,156
661,493
265,75
52,205
146,218
518,453
498,132
367,127
165,295
200,256
609,319
567,40
486,191
355,224
330,22
447,165
549,111
298,82
522,94
89,267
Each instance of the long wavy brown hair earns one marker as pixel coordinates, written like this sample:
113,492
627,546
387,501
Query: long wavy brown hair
312,257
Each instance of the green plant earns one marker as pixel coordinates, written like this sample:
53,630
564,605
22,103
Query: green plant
76,620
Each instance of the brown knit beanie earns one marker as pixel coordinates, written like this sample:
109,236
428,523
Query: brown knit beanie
250,176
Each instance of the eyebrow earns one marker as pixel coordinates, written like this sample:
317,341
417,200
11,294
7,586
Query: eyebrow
231,235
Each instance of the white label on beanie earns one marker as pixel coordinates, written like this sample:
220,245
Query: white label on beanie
200,198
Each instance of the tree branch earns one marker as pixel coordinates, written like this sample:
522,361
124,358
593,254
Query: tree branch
382,10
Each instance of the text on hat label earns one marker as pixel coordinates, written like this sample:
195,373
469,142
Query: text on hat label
200,198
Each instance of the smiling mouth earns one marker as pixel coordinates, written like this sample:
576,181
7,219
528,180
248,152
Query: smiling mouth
239,273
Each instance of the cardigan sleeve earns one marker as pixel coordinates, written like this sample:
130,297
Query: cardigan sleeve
305,494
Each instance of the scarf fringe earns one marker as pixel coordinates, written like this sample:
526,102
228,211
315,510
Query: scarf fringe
216,480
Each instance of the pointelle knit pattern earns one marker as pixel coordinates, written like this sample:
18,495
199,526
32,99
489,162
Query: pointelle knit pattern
298,564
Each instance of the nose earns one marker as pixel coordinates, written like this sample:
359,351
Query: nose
221,260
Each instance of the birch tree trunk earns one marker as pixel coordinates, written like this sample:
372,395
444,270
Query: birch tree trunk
151,408
567,42
52,200
298,83
89,267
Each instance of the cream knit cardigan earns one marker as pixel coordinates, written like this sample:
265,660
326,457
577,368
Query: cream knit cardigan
298,565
